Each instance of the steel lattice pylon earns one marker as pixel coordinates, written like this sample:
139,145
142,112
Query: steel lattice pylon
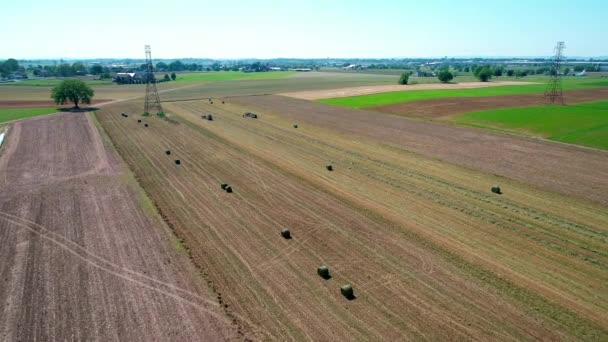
553,93
152,99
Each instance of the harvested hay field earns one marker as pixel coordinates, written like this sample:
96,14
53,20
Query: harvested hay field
439,108
84,254
364,90
565,169
430,251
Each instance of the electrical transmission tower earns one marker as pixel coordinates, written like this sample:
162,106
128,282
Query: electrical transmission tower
152,99
553,93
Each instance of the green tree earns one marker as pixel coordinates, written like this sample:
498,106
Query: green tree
498,71
484,74
166,78
510,72
173,76
445,76
75,91
176,66
79,68
566,71
10,65
96,69
65,70
161,66
405,76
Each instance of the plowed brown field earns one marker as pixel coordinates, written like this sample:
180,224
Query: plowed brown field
84,254
456,105
431,253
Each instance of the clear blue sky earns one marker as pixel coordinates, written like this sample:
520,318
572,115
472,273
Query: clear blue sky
305,29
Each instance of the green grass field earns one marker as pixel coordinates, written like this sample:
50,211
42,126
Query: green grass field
50,82
10,114
583,124
230,75
416,95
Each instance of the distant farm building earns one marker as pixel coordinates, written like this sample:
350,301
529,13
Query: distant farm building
130,77
303,69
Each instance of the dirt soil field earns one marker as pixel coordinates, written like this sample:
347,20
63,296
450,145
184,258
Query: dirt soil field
431,253
566,169
356,91
449,106
41,103
85,256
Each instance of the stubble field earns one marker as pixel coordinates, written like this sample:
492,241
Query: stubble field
430,251
406,217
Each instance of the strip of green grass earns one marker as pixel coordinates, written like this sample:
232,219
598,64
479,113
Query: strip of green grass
9,114
417,95
584,124
51,82
230,75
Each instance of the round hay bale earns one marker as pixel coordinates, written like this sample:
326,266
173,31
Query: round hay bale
223,102
228,189
139,120
496,189
210,102
126,115
145,125
224,186
286,233
210,117
323,272
168,152
295,126
178,162
347,291
329,167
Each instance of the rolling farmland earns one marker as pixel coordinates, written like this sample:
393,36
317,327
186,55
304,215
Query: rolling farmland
411,233
304,171
400,209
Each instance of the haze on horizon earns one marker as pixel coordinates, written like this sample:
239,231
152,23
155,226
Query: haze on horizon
290,29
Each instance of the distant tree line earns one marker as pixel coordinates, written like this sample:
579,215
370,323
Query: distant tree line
10,67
